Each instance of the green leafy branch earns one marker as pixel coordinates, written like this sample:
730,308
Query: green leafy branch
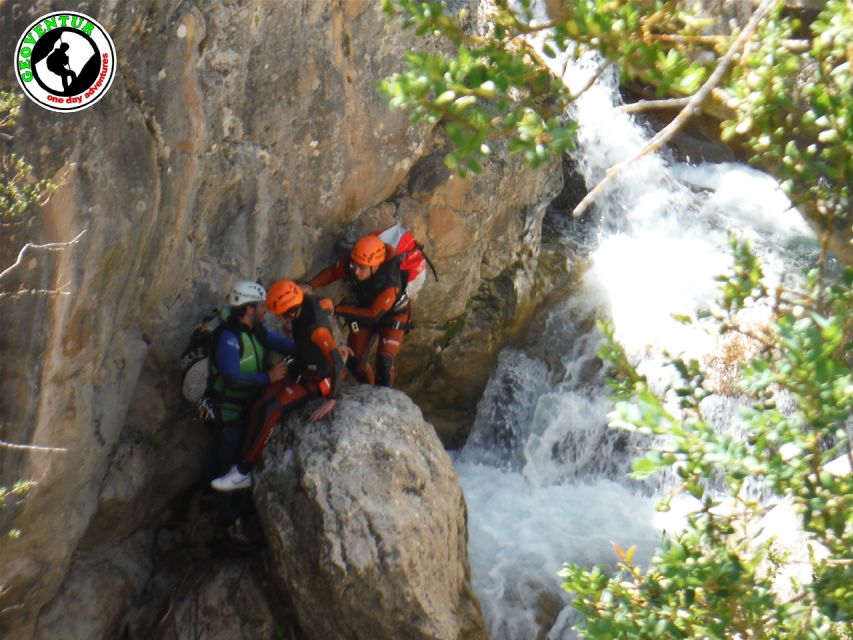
788,100
17,491
713,579
19,189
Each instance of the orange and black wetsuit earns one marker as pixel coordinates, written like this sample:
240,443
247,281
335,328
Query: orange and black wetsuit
381,308
316,371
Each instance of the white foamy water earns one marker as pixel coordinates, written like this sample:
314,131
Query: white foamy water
747,197
544,477
520,538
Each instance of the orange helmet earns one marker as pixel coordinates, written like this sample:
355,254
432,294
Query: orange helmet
283,296
369,251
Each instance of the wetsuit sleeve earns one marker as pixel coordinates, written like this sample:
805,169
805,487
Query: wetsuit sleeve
381,305
228,361
330,274
280,343
322,337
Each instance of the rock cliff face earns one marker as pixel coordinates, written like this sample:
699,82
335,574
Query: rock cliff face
236,137
367,524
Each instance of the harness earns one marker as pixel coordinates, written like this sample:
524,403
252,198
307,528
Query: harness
390,274
397,325
384,323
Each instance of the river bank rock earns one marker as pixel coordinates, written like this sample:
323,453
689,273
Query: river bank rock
367,523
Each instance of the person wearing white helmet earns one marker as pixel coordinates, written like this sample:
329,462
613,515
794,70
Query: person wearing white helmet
237,377
237,373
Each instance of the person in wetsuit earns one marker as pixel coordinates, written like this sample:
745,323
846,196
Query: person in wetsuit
316,371
381,306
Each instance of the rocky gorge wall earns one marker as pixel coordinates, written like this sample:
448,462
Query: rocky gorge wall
237,136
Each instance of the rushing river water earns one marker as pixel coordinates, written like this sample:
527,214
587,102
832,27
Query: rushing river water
544,477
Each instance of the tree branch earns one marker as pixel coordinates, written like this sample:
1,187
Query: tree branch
792,45
667,133
51,246
721,106
20,293
30,447
653,105
592,80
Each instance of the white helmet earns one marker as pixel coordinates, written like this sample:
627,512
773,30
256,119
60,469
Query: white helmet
246,292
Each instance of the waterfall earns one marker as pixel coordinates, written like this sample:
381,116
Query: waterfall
544,477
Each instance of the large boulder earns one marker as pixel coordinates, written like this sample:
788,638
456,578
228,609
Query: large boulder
462,322
367,523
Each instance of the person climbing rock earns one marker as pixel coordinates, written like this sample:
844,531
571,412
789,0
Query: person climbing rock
316,371
382,306
236,379
58,63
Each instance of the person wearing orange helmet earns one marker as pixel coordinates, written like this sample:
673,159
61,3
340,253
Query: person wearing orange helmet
381,306
316,370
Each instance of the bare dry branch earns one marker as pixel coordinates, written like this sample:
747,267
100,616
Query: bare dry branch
20,293
591,81
721,106
14,607
691,108
50,246
30,447
654,105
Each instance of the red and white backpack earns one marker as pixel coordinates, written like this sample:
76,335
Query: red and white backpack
414,260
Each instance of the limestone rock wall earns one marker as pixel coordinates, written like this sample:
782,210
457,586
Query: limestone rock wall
237,136
100,587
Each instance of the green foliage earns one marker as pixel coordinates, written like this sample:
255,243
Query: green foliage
486,90
713,580
18,490
10,107
791,106
795,110
19,189
453,328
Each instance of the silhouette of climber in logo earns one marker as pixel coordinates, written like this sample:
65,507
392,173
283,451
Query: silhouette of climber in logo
58,63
